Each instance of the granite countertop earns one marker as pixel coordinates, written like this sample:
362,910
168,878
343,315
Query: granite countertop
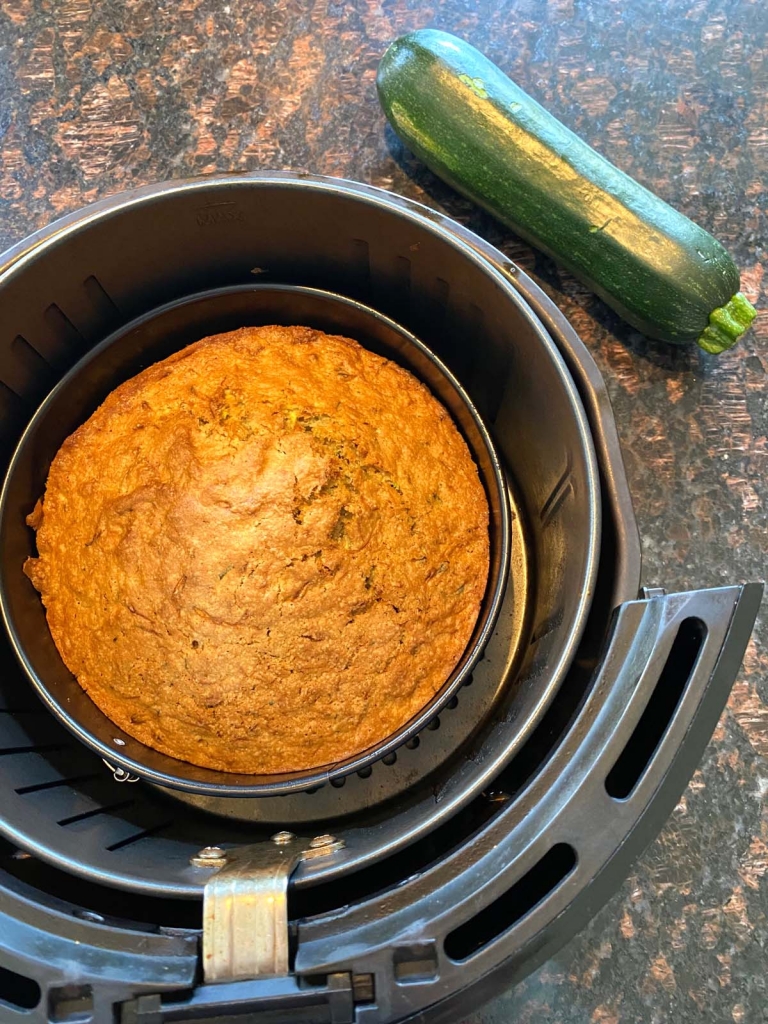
100,95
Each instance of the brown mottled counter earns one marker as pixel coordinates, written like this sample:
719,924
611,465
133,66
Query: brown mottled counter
100,96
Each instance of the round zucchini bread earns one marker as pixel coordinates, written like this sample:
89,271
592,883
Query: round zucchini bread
265,553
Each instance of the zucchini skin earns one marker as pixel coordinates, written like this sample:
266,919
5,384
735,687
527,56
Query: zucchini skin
480,132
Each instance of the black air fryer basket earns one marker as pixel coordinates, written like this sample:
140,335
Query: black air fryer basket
457,857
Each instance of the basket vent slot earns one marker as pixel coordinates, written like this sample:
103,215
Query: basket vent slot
73,819
146,833
38,787
101,300
511,906
18,992
34,748
13,411
70,341
659,711
416,963
26,372
72,1003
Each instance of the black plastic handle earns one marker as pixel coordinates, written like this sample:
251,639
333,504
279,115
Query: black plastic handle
279,1000
543,866
534,877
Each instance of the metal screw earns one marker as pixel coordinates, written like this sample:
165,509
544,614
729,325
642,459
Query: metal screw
209,857
320,841
497,796
283,838
323,846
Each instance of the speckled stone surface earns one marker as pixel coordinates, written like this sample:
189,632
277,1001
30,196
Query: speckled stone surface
99,95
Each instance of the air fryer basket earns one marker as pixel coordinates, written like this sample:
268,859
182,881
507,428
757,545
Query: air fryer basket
229,235
120,356
477,849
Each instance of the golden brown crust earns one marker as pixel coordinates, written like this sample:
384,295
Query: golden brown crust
265,553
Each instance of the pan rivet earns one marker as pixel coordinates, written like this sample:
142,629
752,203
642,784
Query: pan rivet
89,915
320,841
497,796
283,838
209,857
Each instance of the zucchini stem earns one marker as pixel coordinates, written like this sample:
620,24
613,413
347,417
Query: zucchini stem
726,324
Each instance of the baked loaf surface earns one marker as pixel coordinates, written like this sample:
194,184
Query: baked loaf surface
265,553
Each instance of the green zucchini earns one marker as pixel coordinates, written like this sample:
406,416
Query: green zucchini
487,138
